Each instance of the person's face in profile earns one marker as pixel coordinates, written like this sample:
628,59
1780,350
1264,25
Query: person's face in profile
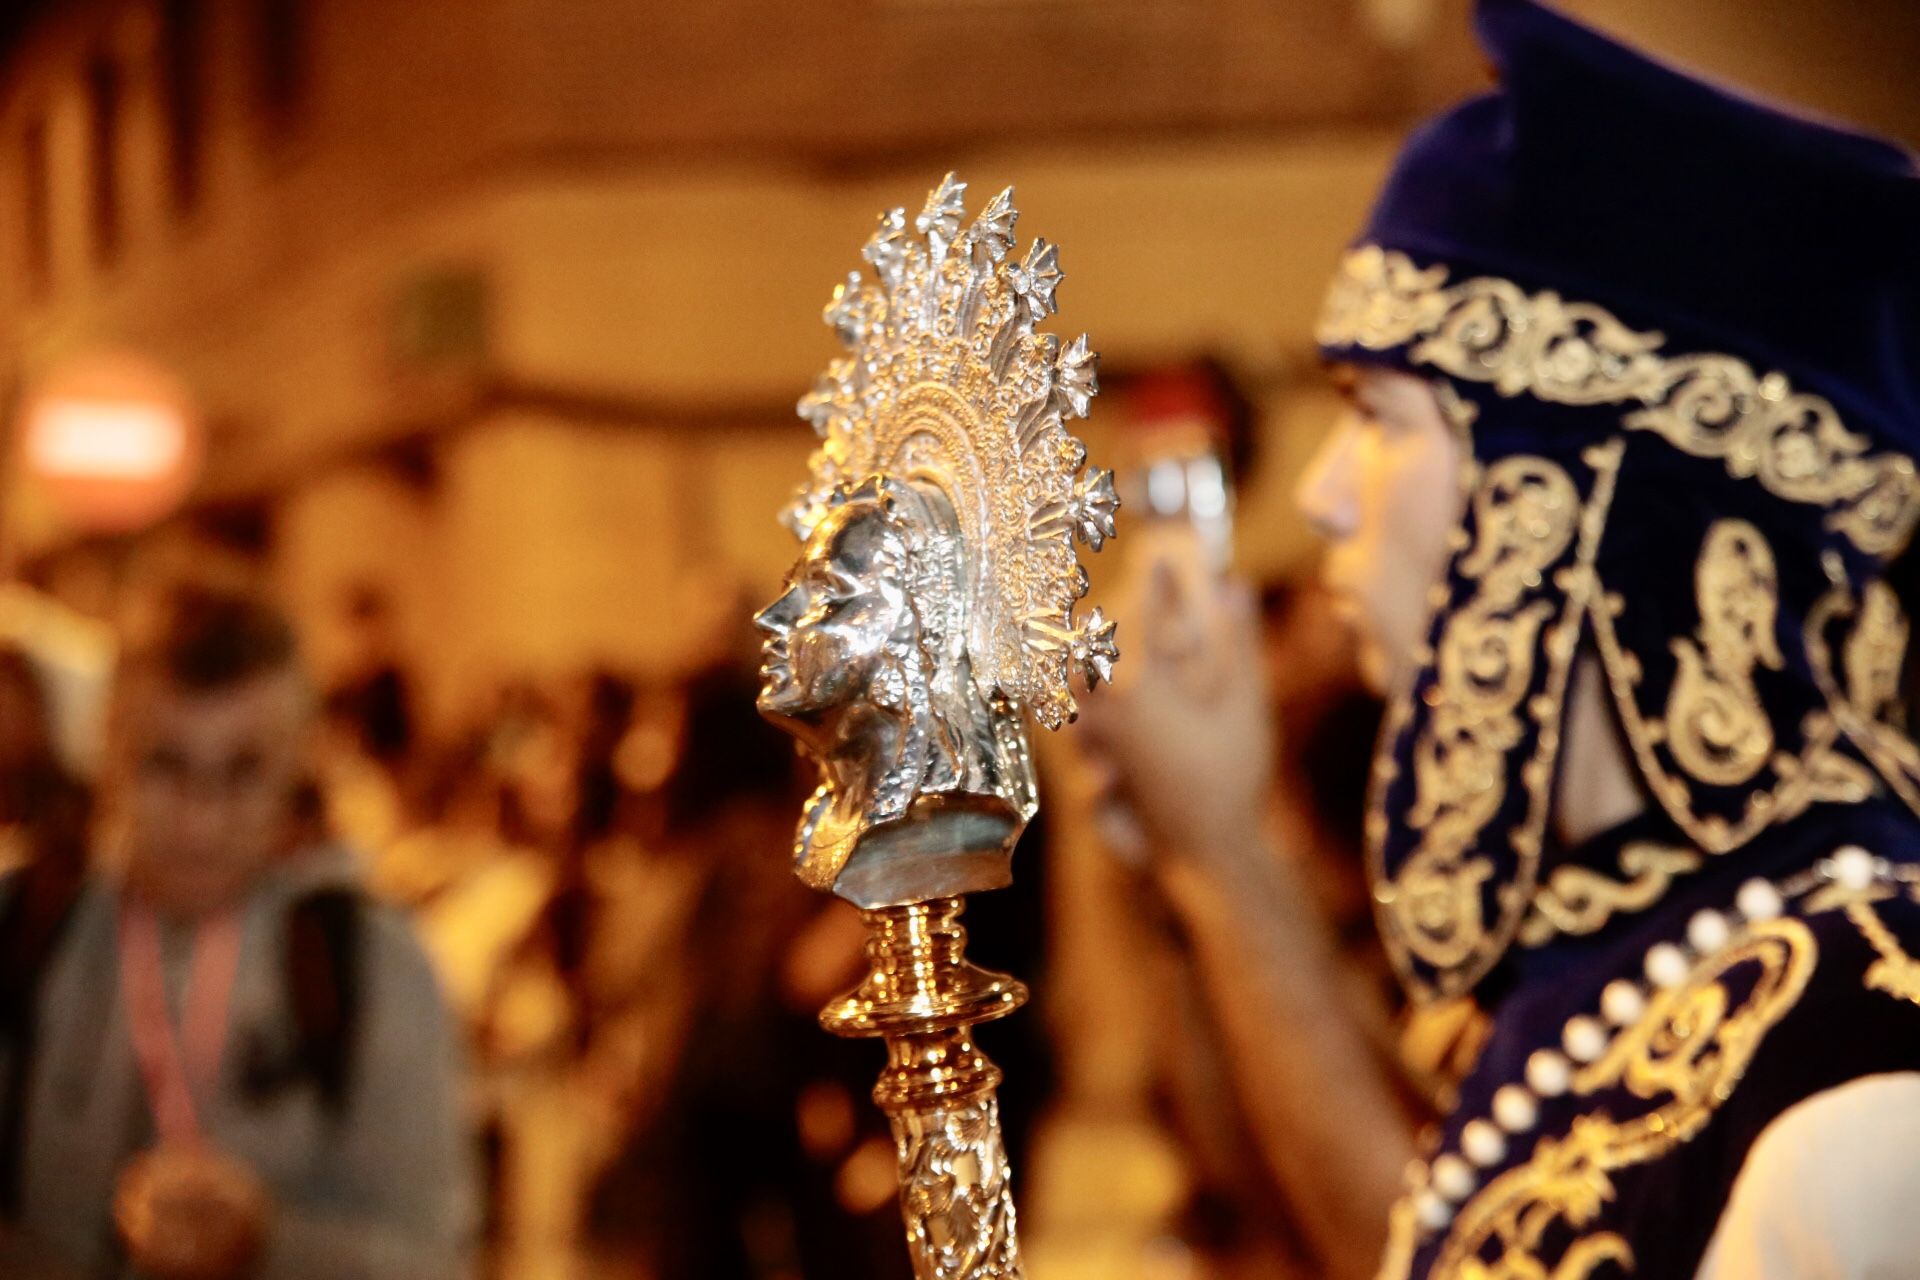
1384,491
208,780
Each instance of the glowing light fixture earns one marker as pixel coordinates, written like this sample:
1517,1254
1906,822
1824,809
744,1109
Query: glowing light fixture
113,440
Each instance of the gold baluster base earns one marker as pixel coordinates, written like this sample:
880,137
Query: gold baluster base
923,997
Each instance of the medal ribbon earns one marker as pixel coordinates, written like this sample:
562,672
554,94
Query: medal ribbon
177,1064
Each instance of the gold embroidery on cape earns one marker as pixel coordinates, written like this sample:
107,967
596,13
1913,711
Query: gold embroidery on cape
1715,725
1578,900
1460,414
1876,654
1527,513
1581,900
1714,406
1686,1053
1820,772
1895,972
1868,701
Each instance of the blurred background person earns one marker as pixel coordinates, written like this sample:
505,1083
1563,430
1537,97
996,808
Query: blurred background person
1194,721
298,1098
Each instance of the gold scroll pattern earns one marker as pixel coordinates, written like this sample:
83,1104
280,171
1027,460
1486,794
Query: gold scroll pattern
1895,972
1686,1055
1527,513
1580,900
1708,725
1758,426
956,1192
1715,725
1864,695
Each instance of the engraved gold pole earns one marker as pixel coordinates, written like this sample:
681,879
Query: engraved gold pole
923,996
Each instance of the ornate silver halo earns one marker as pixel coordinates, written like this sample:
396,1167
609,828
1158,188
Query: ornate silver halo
948,382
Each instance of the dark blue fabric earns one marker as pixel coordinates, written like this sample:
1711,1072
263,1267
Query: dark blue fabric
1598,171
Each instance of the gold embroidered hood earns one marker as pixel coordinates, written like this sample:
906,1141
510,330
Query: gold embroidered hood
1671,465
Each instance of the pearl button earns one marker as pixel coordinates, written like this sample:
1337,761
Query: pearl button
1514,1109
1666,965
1759,900
1621,1002
1483,1144
1584,1038
1453,1177
1431,1212
1708,931
1853,868
1548,1073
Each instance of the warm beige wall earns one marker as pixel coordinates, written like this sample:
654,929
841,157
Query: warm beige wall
663,275
707,288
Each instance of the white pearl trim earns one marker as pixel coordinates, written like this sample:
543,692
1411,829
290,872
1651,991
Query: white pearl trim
1759,900
1549,1073
1666,965
1483,1144
1454,1178
1585,1038
1431,1211
1708,931
1621,1003
1853,868
1514,1108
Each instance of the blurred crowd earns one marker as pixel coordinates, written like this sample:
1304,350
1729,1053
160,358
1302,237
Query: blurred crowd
594,868
595,865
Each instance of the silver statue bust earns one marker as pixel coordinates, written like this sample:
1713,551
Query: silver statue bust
926,780
932,607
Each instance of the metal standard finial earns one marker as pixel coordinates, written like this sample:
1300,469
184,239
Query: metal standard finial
931,607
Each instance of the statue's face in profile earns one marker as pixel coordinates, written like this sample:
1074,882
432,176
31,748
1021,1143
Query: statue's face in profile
925,783
826,635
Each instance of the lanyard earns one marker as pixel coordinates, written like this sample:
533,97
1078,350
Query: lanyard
177,1064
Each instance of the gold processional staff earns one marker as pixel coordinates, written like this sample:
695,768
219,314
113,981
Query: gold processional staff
930,611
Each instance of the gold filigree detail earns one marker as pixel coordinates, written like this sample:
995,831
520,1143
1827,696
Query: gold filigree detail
1492,331
1580,900
1876,655
1832,777
948,378
1686,1054
1526,514
1819,772
1895,972
1872,660
956,1192
1715,725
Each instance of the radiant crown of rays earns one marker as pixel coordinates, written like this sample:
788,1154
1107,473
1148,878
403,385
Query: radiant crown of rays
948,383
